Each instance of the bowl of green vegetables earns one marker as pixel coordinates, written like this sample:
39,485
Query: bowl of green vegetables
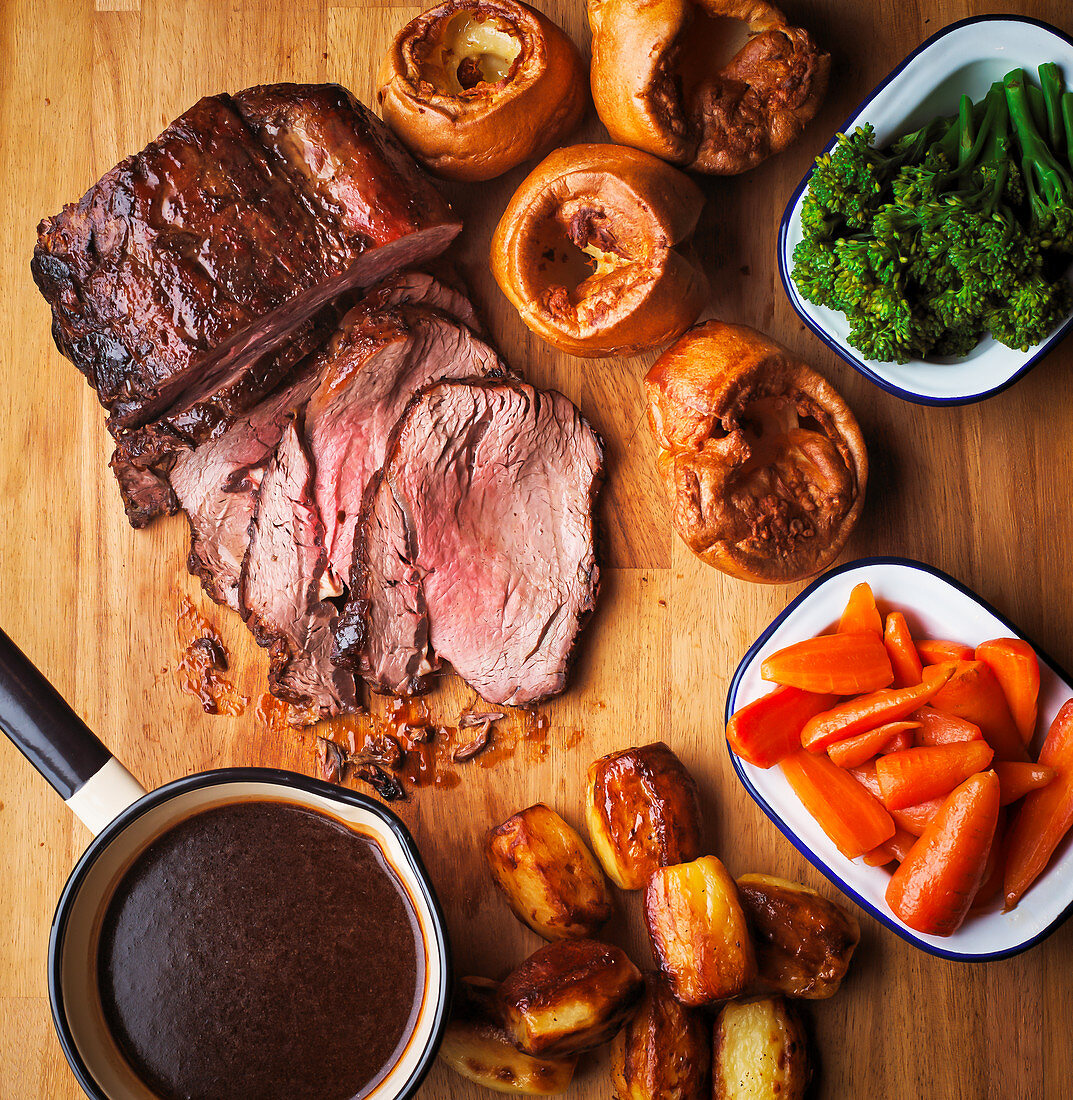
931,244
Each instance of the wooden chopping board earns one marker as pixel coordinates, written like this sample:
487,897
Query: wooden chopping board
980,492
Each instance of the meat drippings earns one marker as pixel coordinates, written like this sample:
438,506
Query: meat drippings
260,949
201,662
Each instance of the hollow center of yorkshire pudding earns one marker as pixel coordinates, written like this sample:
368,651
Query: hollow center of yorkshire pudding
707,44
469,50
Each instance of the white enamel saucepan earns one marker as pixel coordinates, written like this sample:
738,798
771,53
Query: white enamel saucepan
125,820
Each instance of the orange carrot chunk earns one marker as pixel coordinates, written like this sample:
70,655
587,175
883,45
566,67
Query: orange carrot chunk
891,851
854,716
903,654
1045,815
1017,779
902,740
856,750
991,887
937,728
974,694
914,819
936,651
766,730
1016,667
834,664
854,819
861,615
934,886
917,775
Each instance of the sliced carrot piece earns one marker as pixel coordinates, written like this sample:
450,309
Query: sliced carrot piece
1016,667
865,774
991,887
1016,779
917,775
854,819
934,886
856,750
903,654
1045,815
766,730
938,728
914,819
835,664
974,694
936,651
902,740
861,615
854,716
891,851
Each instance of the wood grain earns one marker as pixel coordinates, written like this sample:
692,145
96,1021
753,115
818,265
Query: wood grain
980,492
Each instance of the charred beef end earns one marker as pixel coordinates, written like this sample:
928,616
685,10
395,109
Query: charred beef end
476,544
279,585
197,256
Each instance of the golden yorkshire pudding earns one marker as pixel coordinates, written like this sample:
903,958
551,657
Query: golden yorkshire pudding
586,251
763,460
474,87
714,85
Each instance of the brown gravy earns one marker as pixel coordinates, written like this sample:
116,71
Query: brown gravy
260,949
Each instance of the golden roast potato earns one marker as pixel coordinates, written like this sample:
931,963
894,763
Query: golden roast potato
698,931
643,812
551,879
476,1046
803,941
664,1051
570,996
760,1052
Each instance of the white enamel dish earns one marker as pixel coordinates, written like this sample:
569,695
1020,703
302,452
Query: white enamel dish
966,57
935,606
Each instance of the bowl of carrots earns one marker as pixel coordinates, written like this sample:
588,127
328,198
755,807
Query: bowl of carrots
918,750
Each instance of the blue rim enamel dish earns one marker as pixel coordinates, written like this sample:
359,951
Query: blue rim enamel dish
279,780
966,57
937,606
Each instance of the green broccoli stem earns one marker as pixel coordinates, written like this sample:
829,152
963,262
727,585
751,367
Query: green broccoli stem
1045,179
1050,78
1038,106
1067,124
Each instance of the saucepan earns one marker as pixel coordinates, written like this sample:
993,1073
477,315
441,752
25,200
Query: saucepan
125,820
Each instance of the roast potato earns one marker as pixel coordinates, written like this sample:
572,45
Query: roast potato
476,1046
803,941
760,1052
570,996
551,879
643,813
663,1053
698,931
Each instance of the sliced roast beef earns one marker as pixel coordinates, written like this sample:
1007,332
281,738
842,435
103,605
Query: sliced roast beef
194,258
279,585
216,484
376,362
475,545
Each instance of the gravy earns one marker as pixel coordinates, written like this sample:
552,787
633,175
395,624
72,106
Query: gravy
260,949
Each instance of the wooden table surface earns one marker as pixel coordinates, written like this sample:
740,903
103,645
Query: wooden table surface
981,492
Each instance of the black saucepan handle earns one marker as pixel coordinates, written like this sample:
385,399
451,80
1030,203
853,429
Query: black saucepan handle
43,727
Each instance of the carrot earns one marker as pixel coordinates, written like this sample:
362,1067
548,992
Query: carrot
836,664
938,728
1017,779
854,716
855,820
934,886
865,774
991,887
902,740
1045,815
766,730
974,694
1016,667
861,615
917,775
914,819
891,851
856,750
903,654
937,651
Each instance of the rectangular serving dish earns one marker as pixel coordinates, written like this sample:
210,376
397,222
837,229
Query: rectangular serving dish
937,606
965,57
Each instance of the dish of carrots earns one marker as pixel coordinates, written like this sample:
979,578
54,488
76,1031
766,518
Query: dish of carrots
915,754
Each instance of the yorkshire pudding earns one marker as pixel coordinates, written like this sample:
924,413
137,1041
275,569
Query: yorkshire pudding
763,460
586,251
667,78
474,87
